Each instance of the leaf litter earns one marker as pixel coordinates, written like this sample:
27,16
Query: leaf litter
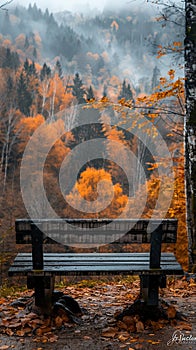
18,318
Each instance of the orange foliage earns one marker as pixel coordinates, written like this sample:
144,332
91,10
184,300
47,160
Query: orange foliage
87,188
177,207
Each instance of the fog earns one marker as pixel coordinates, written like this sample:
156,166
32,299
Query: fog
83,5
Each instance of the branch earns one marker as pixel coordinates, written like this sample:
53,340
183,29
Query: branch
2,7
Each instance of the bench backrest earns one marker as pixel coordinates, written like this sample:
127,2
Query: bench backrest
82,231
79,231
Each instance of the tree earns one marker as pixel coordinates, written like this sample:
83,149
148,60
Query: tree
78,90
11,60
105,91
190,126
58,69
45,76
90,94
175,14
23,95
87,188
126,92
26,44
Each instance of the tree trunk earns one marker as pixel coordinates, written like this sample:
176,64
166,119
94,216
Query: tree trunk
190,127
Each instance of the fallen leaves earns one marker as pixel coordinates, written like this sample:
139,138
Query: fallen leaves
109,332
171,312
139,326
103,303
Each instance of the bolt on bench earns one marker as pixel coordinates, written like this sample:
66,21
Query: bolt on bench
41,268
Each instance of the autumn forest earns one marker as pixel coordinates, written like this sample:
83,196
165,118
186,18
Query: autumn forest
130,64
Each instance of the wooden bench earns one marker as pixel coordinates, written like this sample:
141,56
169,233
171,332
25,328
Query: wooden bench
41,268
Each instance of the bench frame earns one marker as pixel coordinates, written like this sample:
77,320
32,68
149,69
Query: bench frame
42,281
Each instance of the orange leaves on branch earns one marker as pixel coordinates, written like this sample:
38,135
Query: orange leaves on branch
171,74
175,47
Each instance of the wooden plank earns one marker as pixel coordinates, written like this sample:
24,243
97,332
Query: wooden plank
92,263
91,258
97,255
69,231
99,270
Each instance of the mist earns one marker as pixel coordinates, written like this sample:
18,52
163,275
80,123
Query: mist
86,5
115,42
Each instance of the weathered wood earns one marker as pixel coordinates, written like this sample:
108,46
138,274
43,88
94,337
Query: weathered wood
41,268
37,248
86,231
155,247
91,263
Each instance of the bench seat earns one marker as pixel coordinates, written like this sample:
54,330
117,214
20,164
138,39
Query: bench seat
96,263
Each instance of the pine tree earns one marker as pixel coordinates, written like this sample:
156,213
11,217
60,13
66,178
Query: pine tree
26,66
35,53
78,90
32,69
26,44
7,63
126,92
58,69
45,72
90,94
105,90
24,98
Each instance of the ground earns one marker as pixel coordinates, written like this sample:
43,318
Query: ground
98,328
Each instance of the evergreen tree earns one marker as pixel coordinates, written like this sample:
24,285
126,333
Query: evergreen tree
24,98
35,53
11,60
129,95
32,69
90,94
26,44
7,63
26,66
45,72
78,90
58,69
105,90
123,90
126,92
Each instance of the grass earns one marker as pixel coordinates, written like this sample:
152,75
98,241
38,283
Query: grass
92,282
11,291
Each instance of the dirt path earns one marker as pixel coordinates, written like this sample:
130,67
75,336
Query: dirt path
98,329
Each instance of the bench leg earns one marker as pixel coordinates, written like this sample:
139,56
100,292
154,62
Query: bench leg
44,287
149,289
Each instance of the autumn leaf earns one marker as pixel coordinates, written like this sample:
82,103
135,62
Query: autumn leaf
171,312
109,332
123,336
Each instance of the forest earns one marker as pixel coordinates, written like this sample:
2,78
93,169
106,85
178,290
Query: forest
93,109
42,78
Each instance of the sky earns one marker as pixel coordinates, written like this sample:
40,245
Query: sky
72,5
